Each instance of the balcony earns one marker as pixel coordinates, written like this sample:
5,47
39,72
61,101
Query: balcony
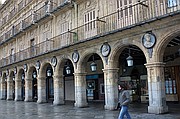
9,34
141,13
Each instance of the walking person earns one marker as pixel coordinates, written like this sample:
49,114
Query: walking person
124,100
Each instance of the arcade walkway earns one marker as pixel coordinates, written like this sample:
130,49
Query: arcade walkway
32,110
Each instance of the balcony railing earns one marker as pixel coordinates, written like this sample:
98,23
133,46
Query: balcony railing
12,13
9,34
42,11
20,5
18,27
142,12
28,21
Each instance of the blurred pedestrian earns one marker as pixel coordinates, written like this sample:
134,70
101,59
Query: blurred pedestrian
124,100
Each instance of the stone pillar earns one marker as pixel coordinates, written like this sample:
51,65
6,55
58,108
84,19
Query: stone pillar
156,88
111,88
18,90
41,90
10,90
80,90
58,90
3,90
28,90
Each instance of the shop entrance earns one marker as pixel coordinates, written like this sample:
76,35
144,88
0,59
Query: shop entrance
95,87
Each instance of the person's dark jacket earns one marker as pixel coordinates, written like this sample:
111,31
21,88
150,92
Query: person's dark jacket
124,98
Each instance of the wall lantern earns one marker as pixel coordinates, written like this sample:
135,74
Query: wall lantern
38,64
15,70
68,70
93,65
5,78
25,67
23,76
129,60
7,72
34,74
49,72
13,78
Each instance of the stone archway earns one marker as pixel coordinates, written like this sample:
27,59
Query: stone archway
31,84
117,70
84,76
170,56
45,83
20,85
4,86
11,86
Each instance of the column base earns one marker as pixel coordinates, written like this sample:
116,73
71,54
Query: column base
58,102
109,107
81,105
41,101
18,99
10,99
28,100
157,109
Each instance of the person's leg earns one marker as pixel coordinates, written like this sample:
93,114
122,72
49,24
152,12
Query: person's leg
127,114
122,112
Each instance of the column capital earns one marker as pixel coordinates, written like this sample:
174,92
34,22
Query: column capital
80,74
58,76
155,64
41,78
110,70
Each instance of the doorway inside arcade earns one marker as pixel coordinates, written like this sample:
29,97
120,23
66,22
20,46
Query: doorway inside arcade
95,87
171,58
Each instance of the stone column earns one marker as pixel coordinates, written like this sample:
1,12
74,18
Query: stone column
111,90
3,90
28,90
10,90
18,90
156,88
41,90
58,90
80,90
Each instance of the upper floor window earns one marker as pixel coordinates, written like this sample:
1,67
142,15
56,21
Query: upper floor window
172,3
89,19
124,8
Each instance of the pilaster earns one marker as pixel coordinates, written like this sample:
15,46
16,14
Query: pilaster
111,90
156,88
80,90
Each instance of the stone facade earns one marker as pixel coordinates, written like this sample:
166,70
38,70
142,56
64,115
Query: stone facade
41,36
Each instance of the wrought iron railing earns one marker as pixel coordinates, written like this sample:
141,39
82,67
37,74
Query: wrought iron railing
142,12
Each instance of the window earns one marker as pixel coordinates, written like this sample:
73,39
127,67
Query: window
65,38
89,20
124,8
90,23
170,80
32,47
12,56
172,3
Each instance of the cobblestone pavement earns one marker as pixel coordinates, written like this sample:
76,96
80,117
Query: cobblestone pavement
32,110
